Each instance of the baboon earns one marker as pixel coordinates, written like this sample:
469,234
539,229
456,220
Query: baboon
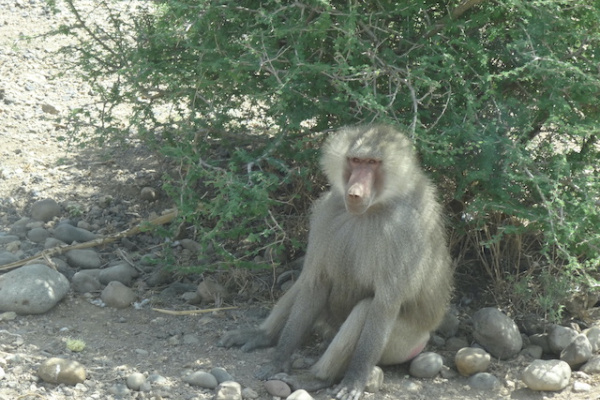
377,272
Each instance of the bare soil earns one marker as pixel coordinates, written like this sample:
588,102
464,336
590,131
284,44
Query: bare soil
35,164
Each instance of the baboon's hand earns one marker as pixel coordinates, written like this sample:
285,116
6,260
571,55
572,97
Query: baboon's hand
247,339
348,391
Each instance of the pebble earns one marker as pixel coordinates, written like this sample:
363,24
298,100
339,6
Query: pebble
278,388
117,295
83,258
69,234
449,326
484,381
119,390
547,375
221,374
559,338
497,333
471,360
592,366
135,381
581,387
541,339
426,365
249,393
577,352
45,210
7,258
86,281
532,351
593,335
456,343
6,239
62,371
122,272
228,390
38,235
300,395
32,289
201,379
375,381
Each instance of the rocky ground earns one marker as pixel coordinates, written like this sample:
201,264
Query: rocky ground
140,351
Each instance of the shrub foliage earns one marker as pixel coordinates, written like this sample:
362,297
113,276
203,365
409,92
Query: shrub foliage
501,99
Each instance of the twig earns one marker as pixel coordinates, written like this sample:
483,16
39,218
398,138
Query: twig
191,312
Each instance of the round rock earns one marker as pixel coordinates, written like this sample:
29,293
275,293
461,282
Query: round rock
38,235
32,289
547,375
497,333
135,381
123,273
7,258
117,295
221,374
86,281
45,210
278,388
592,366
375,381
471,360
84,259
484,381
300,395
229,390
201,379
577,352
69,234
560,337
426,365
59,370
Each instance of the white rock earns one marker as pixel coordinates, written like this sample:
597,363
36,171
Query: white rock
547,375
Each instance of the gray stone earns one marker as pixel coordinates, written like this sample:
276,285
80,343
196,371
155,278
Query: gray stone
123,273
61,371
6,239
201,379
278,388
228,390
471,360
135,381
221,374
300,395
38,235
249,393
578,352
547,375
375,380
541,339
497,333
7,258
86,282
532,351
592,366
53,242
45,210
69,234
593,335
449,325
456,343
426,365
484,381
560,337
117,295
32,289
83,258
